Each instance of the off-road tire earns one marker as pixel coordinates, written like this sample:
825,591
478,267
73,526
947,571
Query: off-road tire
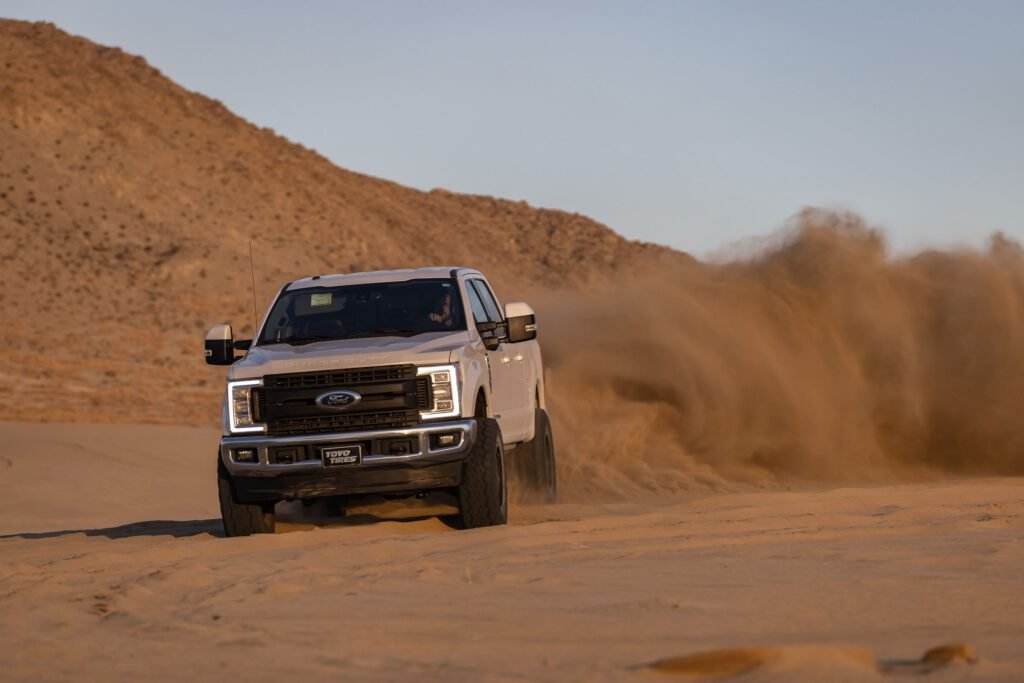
534,464
241,519
483,494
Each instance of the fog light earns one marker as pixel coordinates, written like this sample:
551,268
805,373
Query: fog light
244,455
286,456
399,446
445,440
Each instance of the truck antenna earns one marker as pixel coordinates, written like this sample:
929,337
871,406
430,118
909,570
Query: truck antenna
252,273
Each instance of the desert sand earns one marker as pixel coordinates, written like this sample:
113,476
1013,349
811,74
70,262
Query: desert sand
112,567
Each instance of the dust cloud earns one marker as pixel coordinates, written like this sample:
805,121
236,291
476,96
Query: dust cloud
819,357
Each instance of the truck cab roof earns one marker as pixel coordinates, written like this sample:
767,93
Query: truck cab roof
401,275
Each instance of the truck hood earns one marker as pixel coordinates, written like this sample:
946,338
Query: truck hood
433,348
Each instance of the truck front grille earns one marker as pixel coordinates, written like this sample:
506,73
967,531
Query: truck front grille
343,423
392,398
334,379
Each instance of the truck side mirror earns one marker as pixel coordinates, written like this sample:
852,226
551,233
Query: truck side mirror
491,334
219,346
521,322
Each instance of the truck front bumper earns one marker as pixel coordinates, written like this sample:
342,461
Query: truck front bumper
288,467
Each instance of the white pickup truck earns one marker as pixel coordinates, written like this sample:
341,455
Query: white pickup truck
396,382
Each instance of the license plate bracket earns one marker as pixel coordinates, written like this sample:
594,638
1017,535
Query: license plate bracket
342,455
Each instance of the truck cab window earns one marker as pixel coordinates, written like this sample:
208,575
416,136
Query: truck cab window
490,305
477,306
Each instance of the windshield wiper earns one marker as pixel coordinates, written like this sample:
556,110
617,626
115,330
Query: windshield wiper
309,339
299,340
389,332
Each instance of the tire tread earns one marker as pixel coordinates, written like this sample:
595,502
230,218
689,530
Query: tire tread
478,505
241,519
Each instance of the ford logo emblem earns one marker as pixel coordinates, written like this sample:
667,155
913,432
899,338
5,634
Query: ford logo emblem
338,400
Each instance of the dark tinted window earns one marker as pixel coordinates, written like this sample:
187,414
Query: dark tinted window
372,310
488,300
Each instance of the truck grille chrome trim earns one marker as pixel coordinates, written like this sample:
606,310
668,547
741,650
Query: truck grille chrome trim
419,435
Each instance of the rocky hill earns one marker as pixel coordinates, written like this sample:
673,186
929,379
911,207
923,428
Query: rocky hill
126,208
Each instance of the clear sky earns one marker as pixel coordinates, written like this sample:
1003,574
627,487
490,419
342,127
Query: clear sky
693,124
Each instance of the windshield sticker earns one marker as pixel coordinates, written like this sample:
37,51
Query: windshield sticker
320,299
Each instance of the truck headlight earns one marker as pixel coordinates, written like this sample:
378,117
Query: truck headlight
444,387
240,406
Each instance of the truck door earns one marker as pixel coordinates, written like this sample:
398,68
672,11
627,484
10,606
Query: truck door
509,388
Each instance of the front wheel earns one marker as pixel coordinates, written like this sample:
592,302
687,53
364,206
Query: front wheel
483,494
241,519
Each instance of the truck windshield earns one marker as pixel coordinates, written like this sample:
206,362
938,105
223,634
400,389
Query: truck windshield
401,309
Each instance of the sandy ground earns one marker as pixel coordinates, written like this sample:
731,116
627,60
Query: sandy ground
112,568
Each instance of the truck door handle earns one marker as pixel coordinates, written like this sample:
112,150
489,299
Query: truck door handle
505,359
518,356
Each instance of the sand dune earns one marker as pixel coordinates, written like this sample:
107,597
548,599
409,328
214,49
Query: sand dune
126,208
111,567
815,353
